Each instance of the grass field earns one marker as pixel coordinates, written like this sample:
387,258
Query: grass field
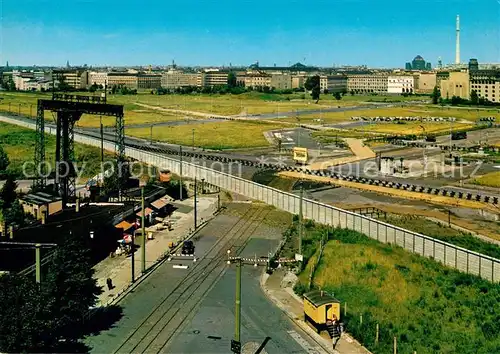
447,234
489,180
19,143
412,128
212,135
429,308
408,111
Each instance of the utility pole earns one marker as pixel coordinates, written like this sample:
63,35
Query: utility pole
195,202
133,257
180,172
143,241
236,343
300,216
38,263
102,141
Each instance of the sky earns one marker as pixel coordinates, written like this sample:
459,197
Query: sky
381,33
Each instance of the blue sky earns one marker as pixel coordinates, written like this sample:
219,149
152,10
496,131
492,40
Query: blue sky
383,33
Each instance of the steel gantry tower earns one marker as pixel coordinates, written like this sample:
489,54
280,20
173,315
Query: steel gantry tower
69,109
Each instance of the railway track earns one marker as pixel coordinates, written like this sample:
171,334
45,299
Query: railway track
165,320
281,167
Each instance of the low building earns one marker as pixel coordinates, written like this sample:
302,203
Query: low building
400,84
128,80
333,83
257,79
376,83
176,78
281,81
41,204
214,78
298,81
75,78
98,78
456,85
148,81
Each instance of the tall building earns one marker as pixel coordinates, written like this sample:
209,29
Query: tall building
428,66
418,63
457,49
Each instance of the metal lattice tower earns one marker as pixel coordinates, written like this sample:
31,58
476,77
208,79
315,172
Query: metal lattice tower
39,182
69,109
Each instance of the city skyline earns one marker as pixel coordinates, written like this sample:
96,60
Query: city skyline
217,34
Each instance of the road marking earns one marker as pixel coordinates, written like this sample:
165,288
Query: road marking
303,343
180,266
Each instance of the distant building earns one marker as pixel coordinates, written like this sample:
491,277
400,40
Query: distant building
134,80
400,84
98,78
375,83
486,83
214,78
333,83
74,78
425,82
281,81
473,65
418,63
176,78
457,84
258,79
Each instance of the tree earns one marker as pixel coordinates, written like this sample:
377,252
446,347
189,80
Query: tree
69,288
474,99
4,160
14,214
313,84
23,314
337,96
456,100
436,94
8,192
231,80
352,92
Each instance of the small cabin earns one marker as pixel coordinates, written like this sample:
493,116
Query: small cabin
320,307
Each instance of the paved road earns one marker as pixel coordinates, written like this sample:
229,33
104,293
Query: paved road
191,311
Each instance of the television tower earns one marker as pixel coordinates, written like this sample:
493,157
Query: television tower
457,53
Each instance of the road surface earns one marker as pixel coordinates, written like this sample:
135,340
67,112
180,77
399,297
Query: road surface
192,310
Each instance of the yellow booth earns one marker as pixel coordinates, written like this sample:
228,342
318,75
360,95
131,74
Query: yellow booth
320,307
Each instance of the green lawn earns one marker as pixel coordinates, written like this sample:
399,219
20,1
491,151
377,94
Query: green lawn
429,308
212,135
491,179
19,143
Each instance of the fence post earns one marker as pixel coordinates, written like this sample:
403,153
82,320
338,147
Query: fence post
395,345
360,320
345,309
376,334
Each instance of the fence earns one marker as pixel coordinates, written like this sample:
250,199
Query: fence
457,257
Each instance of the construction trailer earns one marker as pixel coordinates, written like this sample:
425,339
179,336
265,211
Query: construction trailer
319,308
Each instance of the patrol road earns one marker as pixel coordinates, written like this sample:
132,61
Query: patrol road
192,310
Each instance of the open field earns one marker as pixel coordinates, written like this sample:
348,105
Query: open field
408,111
212,135
19,143
489,180
447,234
429,308
413,128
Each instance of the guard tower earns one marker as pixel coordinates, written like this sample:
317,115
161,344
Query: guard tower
69,109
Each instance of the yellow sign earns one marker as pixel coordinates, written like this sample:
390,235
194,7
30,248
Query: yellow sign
300,154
